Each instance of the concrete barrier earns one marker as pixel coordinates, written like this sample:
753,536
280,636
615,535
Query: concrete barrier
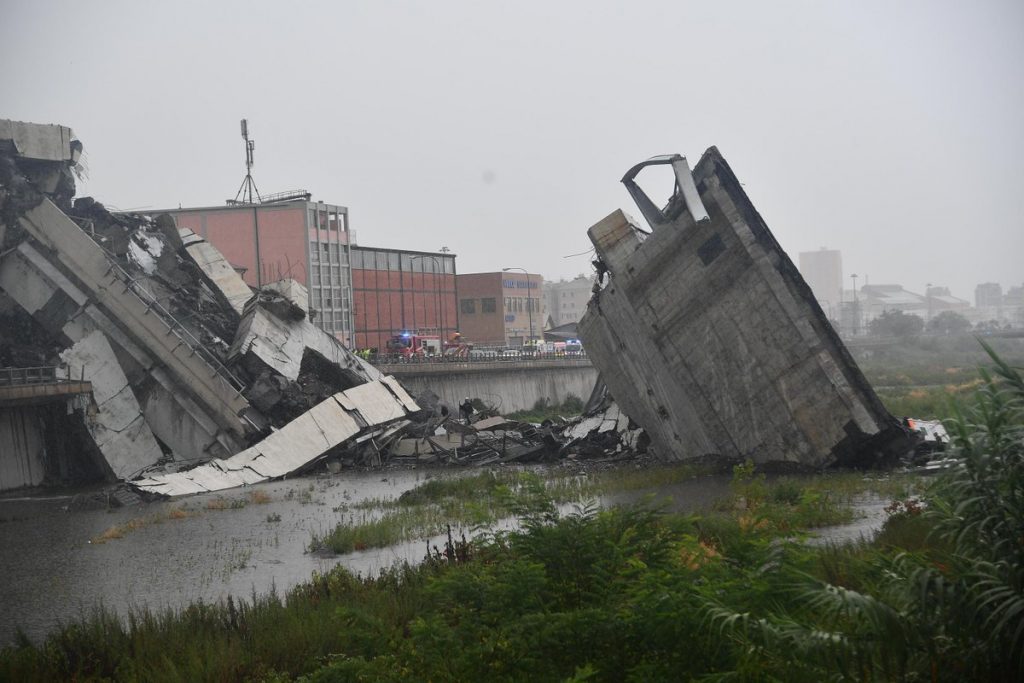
509,386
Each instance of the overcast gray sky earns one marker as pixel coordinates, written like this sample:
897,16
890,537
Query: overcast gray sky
893,131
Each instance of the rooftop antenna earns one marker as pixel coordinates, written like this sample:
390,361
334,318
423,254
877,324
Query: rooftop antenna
248,188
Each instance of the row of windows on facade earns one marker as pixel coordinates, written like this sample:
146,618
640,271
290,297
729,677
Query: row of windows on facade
327,252
337,297
334,322
328,220
513,304
330,276
395,261
520,284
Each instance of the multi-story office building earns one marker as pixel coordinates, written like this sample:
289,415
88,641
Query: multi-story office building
988,295
397,291
500,309
567,299
300,239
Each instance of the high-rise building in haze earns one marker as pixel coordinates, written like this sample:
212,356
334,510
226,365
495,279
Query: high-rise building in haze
567,299
823,271
988,295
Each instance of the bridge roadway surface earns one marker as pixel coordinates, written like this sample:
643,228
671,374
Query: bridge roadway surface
507,385
29,386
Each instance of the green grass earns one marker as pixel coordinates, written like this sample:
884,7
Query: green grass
927,403
481,499
543,410
473,501
380,532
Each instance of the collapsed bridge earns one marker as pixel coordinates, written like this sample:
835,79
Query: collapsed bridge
185,363
707,340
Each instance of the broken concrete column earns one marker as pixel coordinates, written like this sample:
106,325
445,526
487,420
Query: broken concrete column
295,299
708,337
115,420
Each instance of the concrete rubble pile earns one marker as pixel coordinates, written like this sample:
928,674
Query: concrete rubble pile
601,433
603,430
188,365
490,440
708,337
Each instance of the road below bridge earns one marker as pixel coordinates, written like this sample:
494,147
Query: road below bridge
507,385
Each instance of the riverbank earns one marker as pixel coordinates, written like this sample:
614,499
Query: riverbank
60,564
276,523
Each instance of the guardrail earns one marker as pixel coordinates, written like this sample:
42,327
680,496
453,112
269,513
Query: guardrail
20,386
48,374
173,325
399,359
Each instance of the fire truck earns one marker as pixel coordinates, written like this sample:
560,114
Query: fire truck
409,344
413,346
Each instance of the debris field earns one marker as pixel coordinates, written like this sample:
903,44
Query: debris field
708,342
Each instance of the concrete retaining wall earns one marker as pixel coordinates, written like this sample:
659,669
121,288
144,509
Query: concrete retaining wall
507,386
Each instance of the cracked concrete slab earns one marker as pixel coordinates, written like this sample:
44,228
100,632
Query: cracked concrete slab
280,345
116,422
348,416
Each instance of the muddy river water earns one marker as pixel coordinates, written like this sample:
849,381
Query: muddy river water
232,543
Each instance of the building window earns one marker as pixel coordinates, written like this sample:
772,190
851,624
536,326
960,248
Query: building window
488,305
467,306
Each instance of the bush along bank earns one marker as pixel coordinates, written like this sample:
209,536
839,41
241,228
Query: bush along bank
637,595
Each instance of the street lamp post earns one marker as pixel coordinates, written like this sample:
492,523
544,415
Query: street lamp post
437,287
529,302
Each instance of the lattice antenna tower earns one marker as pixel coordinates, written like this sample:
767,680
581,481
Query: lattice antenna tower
248,187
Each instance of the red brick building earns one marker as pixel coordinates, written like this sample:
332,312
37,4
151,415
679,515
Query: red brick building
304,240
498,308
397,291
362,295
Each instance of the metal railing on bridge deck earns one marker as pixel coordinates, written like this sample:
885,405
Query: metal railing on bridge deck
23,384
48,374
